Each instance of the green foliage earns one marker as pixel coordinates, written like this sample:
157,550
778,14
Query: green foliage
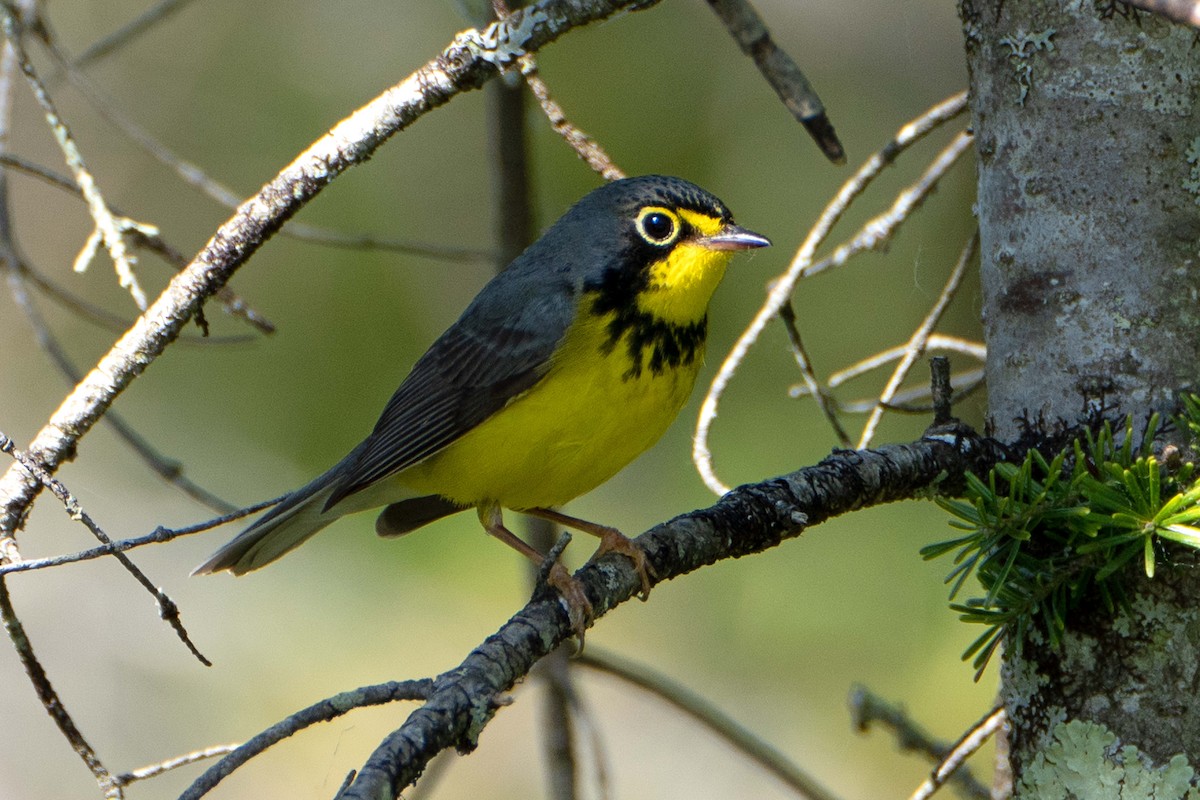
1042,534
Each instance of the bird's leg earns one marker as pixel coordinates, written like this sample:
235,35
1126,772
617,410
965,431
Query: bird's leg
570,588
611,541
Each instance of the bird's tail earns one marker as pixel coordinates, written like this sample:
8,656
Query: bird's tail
298,516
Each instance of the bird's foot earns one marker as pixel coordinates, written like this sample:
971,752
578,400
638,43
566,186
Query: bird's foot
613,541
570,589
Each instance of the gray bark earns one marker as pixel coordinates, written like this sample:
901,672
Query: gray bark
1088,137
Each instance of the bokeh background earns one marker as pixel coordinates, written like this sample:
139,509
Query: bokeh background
777,640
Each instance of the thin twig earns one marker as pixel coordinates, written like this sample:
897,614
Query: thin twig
751,33
915,347
168,469
322,711
867,708
916,400
50,699
152,241
166,606
154,770
878,231
102,317
940,390
802,263
128,32
937,341
8,547
963,749
109,230
193,175
157,536
825,400
703,711
584,145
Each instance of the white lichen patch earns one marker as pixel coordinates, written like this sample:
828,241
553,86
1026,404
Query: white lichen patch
1083,760
1022,47
502,42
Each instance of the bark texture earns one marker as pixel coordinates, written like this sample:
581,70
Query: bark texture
1088,135
1087,132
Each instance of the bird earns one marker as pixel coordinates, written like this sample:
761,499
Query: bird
567,365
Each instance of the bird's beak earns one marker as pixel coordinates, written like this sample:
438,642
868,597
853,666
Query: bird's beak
734,237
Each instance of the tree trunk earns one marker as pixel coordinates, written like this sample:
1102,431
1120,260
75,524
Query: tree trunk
1088,137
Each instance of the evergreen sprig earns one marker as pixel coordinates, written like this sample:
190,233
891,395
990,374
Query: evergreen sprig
1042,534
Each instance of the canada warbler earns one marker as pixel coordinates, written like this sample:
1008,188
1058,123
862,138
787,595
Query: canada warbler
566,366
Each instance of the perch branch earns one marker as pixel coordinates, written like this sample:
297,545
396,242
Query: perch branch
746,520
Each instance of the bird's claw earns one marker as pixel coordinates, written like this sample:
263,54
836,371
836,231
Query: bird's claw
613,541
570,589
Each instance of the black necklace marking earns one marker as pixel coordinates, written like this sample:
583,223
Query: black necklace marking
651,342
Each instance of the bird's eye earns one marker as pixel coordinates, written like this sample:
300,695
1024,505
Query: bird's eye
658,226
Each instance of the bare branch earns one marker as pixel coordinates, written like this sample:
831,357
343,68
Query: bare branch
716,720
323,711
110,231
872,234
746,520
915,348
584,145
825,400
472,58
127,33
937,341
751,34
940,391
867,708
963,749
50,699
154,242
157,536
167,608
168,469
910,401
154,770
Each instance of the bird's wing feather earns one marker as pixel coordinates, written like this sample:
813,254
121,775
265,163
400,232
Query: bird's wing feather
500,348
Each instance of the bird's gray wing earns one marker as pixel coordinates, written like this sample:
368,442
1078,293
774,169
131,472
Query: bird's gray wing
498,349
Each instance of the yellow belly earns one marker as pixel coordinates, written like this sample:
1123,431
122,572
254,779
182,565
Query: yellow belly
574,430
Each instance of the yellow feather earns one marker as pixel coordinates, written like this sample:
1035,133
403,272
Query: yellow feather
589,416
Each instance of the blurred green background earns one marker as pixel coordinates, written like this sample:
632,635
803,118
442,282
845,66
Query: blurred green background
777,639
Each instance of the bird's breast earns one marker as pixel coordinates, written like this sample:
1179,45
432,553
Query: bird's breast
612,389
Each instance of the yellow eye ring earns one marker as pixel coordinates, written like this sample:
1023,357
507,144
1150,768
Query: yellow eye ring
659,226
